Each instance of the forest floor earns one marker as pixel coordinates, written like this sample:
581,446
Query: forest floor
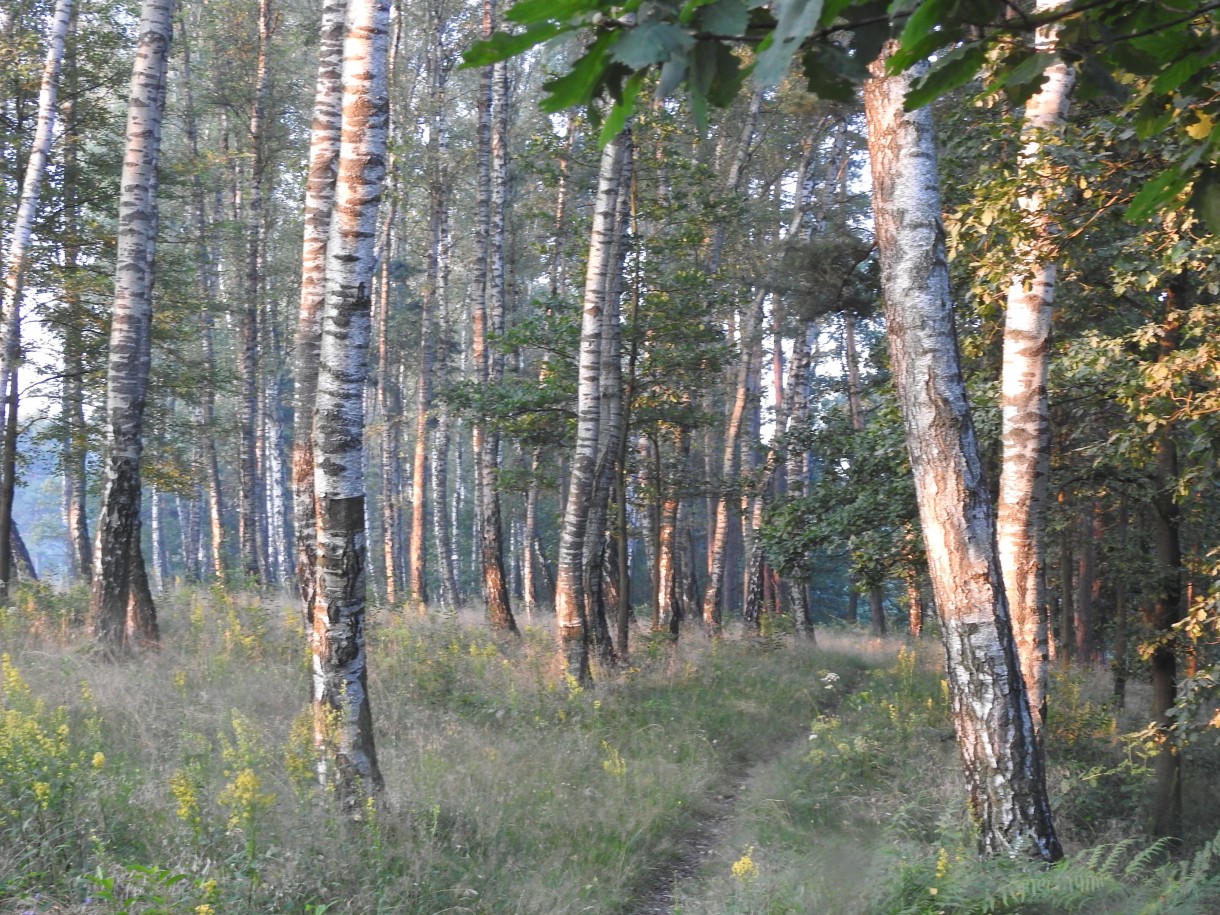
747,775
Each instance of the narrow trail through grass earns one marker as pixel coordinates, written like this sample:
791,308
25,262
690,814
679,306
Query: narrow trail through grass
706,840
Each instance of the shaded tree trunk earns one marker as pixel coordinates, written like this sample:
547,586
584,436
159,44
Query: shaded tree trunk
117,557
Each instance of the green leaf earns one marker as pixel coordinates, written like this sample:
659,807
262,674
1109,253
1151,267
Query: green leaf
727,18
1205,199
727,73
919,36
622,110
580,84
1178,72
1156,194
795,21
502,45
650,43
831,74
949,72
535,11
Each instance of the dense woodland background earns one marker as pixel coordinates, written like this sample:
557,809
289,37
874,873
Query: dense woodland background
752,469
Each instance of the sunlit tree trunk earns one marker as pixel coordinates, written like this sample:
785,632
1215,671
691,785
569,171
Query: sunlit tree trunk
17,244
570,610
999,747
342,713
1025,410
116,553
319,202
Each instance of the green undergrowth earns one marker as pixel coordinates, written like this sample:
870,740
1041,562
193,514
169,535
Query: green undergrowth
182,780
868,816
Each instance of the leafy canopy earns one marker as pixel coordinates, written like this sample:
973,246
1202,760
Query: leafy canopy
1156,57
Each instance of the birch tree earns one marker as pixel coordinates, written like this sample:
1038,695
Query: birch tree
1025,409
17,245
117,561
319,201
1000,751
342,713
571,613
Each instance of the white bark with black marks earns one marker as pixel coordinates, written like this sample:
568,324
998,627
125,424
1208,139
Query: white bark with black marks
999,747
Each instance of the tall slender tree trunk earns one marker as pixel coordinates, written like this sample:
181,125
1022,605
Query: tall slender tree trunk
713,597
250,510
570,610
117,558
343,715
17,245
1025,408
1167,607
1000,751
319,203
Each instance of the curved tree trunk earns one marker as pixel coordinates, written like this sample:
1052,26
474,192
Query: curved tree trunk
342,713
116,553
999,747
570,610
1025,409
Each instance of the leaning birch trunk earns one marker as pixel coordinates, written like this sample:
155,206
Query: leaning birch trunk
1025,408
570,611
319,201
115,550
18,245
342,715
999,747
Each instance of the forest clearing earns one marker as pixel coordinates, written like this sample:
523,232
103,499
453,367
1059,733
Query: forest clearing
639,456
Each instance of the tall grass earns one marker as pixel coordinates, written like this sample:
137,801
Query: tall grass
182,781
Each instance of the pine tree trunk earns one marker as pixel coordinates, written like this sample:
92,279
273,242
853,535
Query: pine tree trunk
1025,408
999,747
117,557
713,598
343,716
17,245
319,203
570,610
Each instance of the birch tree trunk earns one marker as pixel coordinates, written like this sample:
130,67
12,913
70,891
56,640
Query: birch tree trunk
116,553
342,713
1025,408
570,610
319,202
999,747
17,245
